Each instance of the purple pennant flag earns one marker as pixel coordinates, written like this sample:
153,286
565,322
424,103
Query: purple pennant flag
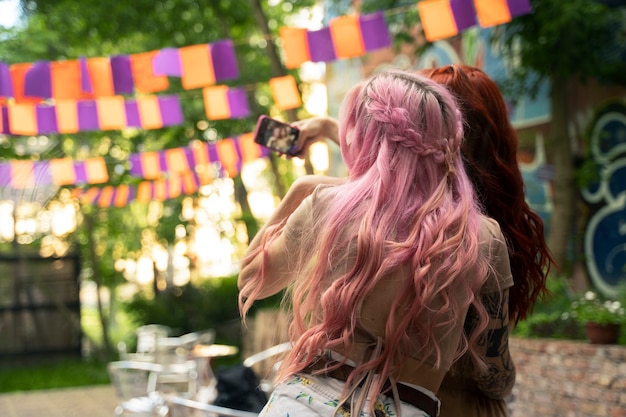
87,115
41,173
122,74
85,77
171,111
46,119
5,174
6,84
212,152
38,80
5,120
321,47
237,147
374,31
135,165
132,194
238,103
132,113
80,172
519,7
167,62
464,14
224,60
162,161
191,160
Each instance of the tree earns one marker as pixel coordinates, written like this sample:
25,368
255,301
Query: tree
66,29
564,43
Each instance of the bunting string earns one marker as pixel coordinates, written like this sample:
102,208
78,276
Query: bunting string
116,92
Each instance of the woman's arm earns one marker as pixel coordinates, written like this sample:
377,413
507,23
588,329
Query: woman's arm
315,129
277,253
498,379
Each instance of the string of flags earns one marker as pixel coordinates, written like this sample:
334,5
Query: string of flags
117,92
227,155
442,19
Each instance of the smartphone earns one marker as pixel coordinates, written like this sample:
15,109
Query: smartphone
276,135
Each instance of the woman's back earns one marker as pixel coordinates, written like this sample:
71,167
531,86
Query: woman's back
405,225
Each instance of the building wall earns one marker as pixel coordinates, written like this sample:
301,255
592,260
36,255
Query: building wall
561,378
555,378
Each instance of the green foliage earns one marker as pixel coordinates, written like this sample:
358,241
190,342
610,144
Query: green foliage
560,316
211,303
67,373
591,308
547,319
565,39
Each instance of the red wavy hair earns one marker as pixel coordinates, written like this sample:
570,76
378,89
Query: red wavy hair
490,156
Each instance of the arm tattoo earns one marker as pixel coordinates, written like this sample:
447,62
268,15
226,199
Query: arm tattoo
497,381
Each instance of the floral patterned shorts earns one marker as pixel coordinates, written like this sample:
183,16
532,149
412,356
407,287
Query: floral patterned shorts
306,395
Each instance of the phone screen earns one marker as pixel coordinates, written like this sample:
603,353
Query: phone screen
276,135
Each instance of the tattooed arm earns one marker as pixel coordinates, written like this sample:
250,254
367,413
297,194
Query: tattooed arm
498,379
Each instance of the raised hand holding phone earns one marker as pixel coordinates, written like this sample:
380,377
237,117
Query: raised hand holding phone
276,135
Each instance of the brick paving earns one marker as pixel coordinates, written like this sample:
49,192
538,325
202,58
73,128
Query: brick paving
94,401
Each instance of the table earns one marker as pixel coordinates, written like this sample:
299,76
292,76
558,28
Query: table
213,351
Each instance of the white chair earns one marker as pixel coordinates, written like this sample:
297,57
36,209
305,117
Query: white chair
184,407
140,386
267,377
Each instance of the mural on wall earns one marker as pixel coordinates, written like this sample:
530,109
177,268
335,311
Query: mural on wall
605,234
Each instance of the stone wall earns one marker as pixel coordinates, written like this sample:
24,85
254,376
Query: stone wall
555,378
560,378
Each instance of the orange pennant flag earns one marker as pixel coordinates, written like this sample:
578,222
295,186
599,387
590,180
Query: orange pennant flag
106,195
23,119
492,12
174,186
203,167
111,113
121,196
197,66
143,73
18,74
216,102
149,112
295,45
285,92
144,192
66,80
101,77
228,156
189,185
176,160
67,116
346,35
22,175
90,195
160,190
250,150
437,19
96,170
62,171
150,166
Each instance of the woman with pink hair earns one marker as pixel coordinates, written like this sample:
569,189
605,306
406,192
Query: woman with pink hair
382,267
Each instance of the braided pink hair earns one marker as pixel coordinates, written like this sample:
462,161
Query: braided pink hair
408,205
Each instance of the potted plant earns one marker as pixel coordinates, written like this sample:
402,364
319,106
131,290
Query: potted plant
602,318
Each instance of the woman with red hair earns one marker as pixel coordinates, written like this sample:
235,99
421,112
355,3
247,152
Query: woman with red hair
489,152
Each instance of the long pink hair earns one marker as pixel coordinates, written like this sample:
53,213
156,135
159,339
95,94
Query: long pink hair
408,206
